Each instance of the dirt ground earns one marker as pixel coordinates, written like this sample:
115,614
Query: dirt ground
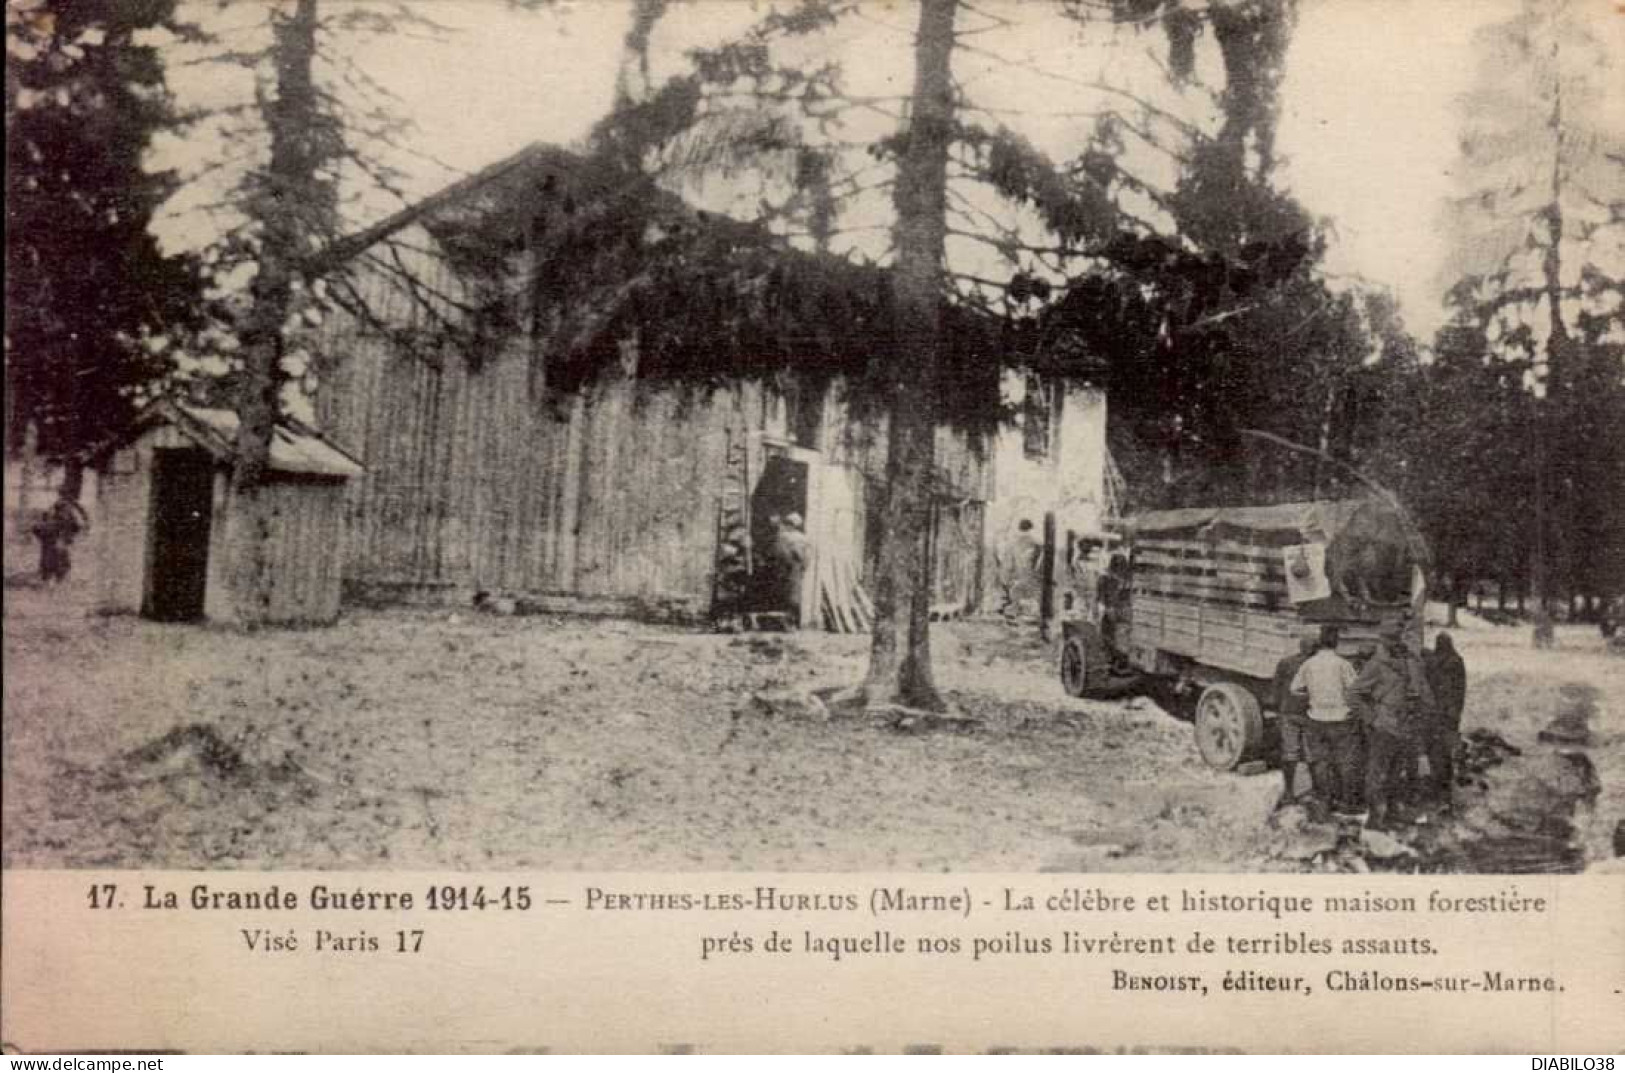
440,739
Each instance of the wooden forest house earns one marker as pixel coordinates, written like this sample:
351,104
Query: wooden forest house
515,362
163,514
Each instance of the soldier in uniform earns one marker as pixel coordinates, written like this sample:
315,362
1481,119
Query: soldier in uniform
56,530
1016,568
1394,702
1447,677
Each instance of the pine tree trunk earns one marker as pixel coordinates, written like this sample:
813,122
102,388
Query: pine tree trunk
292,119
1549,503
1046,579
900,654
632,81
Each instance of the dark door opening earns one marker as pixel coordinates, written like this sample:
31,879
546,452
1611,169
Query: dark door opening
182,509
781,492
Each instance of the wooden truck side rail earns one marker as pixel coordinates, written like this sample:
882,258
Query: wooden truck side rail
1215,592
1221,604
1246,642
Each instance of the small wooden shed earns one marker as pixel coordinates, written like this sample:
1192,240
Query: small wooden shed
163,513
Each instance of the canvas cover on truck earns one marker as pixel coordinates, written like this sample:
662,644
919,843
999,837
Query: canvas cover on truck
1361,547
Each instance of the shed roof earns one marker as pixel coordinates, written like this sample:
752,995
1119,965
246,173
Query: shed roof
294,448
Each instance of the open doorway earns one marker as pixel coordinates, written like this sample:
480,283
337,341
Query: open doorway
182,513
780,492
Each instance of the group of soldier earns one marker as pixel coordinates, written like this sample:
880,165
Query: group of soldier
1364,733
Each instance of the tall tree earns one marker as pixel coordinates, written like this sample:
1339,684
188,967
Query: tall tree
291,201
1454,444
289,205
92,304
1170,267
739,111
900,653
1189,283
1214,312
316,138
1597,466
1543,204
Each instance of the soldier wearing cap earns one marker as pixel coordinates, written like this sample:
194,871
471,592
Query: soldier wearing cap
1393,701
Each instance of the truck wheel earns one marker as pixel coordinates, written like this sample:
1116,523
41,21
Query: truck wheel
1229,725
1075,667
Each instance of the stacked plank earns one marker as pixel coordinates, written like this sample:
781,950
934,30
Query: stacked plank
1228,572
845,605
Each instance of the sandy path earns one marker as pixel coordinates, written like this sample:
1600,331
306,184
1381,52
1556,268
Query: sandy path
414,739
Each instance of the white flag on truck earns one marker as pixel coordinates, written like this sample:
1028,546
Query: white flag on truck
1306,572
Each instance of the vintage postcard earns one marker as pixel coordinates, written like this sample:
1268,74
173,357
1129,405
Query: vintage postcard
815,525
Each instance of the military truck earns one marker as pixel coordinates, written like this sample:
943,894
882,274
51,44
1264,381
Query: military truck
1203,602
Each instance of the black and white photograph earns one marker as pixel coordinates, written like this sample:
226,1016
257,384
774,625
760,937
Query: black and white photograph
924,436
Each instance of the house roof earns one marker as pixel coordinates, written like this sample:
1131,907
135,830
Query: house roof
294,448
537,155
711,298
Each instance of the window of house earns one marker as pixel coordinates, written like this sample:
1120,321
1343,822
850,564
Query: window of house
803,412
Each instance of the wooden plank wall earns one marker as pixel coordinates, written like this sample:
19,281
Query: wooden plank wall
306,551
835,530
967,472
122,536
123,504
478,479
957,546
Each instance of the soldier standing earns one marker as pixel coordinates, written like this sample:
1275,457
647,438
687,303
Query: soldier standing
1016,568
1447,677
1293,711
56,530
1392,698
1334,737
